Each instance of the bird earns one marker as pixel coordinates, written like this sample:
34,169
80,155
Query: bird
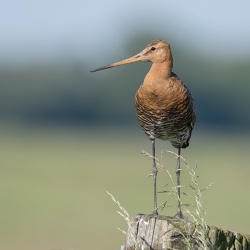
164,106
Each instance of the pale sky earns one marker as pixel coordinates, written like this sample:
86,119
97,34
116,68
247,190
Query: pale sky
47,29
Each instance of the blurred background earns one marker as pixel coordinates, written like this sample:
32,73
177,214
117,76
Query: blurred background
68,135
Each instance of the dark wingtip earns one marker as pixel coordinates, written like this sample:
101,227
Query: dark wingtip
185,145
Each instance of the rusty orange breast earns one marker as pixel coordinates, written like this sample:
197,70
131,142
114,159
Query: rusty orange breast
165,109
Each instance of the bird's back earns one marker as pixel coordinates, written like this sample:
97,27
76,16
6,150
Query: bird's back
165,110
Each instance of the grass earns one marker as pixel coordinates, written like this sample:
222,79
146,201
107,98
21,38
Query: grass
53,184
197,216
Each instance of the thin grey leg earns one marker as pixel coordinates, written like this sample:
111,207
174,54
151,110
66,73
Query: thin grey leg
178,173
155,176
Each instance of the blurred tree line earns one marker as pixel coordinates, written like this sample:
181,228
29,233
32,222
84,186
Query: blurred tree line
65,92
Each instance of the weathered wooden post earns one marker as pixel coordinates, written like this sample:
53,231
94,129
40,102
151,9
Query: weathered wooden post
147,232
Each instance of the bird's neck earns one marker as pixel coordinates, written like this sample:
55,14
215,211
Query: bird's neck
159,71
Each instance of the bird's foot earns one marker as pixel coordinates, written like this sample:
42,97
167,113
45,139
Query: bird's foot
154,214
180,216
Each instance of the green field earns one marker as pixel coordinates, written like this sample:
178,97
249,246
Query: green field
53,184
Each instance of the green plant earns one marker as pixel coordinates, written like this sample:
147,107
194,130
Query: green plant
198,237
123,212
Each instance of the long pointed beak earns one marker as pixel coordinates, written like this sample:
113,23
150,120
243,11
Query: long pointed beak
132,59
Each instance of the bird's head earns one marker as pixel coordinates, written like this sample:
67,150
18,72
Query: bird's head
156,52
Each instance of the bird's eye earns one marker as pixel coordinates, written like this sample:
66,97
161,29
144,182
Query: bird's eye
153,48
